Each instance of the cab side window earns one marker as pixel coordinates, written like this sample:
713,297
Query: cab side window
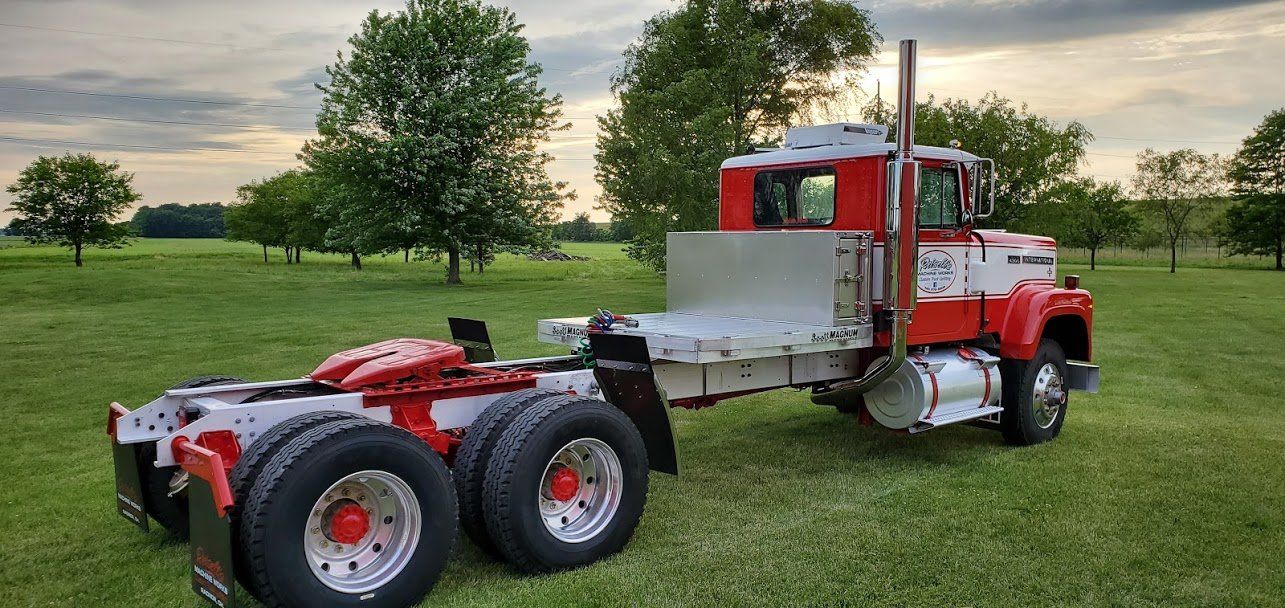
939,198
794,197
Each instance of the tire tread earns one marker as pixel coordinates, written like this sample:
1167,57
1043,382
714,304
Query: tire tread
475,452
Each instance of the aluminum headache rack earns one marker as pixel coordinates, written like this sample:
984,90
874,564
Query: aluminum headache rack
746,295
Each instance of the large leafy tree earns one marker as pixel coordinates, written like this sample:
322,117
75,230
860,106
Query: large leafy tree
72,201
1255,225
1175,187
702,83
1032,154
430,130
1091,215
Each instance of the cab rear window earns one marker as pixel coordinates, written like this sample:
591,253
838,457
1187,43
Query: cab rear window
794,197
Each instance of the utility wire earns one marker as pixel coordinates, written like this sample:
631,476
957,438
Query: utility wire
163,122
46,142
238,47
128,36
137,146
150,98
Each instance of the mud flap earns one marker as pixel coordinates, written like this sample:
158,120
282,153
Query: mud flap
129,484
209,499
472,335
129,478
623,371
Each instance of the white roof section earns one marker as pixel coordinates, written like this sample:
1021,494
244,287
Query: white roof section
837,134
837,142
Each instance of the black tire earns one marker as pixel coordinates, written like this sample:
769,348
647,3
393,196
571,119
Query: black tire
475,453
291,392
517,468
1020,423
278,507
200,381
171,511
255,458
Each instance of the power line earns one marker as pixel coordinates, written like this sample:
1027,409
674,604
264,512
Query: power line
136,146
46,142
200,42
151,98
157,121
1180,141
126,36
1111,155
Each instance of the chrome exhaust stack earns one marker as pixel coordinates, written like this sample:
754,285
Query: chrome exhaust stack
900,243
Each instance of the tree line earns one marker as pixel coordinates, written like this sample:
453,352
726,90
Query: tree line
432,128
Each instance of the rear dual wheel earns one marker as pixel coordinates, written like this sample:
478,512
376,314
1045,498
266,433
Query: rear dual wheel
565,485
348,513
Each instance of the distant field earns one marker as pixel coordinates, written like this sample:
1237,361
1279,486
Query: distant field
1196,256
1164,490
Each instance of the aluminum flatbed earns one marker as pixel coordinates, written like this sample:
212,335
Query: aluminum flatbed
703,338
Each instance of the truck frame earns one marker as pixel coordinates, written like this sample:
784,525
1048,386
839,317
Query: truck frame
843,264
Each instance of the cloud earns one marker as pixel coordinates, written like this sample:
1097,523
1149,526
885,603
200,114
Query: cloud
976,24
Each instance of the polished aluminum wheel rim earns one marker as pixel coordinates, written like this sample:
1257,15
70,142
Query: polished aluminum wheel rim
1049,395
578,513
363,564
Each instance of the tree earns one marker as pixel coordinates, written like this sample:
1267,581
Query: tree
1032,154
261,214
700,84
430,127
577,229
620,231
173,220
1255,225
71,201
1093,215
1175,185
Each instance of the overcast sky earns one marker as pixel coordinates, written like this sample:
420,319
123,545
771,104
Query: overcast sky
1138,73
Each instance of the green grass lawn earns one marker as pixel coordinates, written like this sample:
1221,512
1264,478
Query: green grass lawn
1166,489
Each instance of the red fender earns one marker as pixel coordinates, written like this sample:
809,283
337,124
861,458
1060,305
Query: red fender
1029,311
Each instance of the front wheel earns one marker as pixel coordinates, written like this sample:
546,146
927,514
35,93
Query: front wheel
1034,396
349,513
566,484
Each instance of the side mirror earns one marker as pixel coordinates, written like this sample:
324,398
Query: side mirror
981,174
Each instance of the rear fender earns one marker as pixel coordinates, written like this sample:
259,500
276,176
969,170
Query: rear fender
1035,308
624,373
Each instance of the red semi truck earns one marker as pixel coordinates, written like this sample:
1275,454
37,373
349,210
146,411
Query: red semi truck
843,264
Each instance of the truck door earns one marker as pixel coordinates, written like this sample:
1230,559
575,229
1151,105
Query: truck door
943,304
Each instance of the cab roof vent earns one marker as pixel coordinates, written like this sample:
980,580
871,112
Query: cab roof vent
838,134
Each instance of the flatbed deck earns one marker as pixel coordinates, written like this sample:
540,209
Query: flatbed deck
703,338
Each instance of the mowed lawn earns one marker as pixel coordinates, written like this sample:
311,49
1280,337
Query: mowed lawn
1166,489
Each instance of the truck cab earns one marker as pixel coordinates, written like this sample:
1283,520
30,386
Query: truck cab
980,286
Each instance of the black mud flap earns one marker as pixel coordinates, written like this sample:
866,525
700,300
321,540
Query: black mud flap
210,526
211,539
129,484
624,372
472,335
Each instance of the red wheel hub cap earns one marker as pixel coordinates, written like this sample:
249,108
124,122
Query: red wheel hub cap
564,485
349,524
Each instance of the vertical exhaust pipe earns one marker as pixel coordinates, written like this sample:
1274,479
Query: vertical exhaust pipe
900,242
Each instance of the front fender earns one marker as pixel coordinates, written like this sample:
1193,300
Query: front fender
1029,312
